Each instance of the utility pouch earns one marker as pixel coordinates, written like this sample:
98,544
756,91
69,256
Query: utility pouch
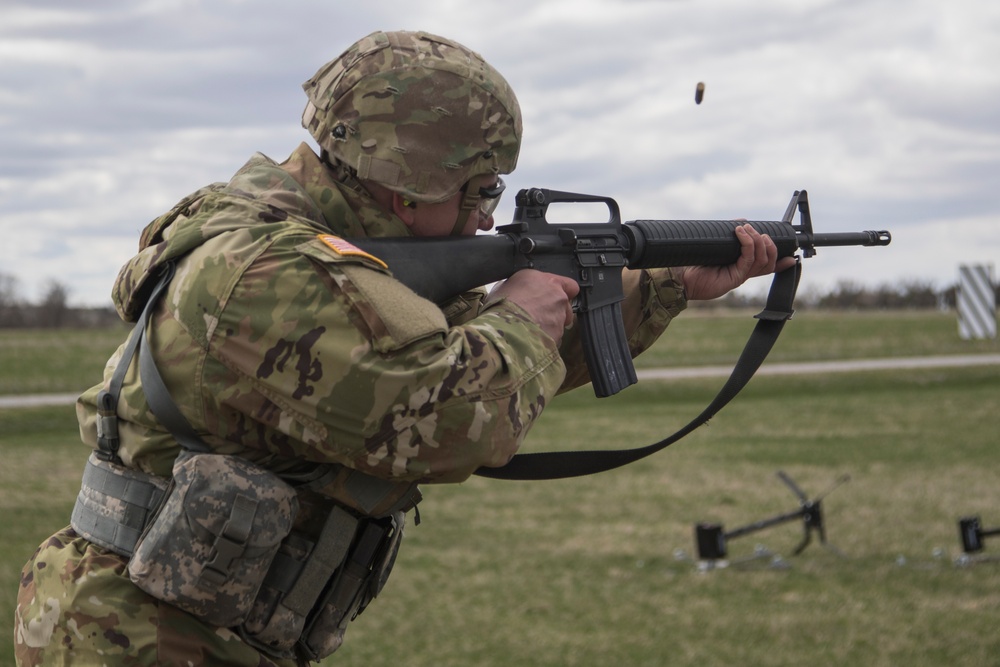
209,548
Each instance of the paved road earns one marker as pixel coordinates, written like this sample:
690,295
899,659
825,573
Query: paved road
827,366
37,400
676,373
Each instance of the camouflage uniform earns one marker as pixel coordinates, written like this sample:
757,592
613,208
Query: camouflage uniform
283,350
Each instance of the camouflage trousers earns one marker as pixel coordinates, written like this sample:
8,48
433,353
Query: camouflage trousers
76,606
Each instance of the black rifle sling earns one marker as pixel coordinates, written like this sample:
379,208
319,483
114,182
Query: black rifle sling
157,395
160,401
560,465
156,392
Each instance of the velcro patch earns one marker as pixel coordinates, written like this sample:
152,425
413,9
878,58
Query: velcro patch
347,249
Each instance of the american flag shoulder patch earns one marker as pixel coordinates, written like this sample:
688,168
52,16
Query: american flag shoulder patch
346,249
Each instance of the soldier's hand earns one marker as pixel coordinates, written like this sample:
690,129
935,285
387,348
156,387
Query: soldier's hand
546,297
758,257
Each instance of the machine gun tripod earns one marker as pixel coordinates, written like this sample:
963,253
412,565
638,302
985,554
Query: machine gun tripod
712,540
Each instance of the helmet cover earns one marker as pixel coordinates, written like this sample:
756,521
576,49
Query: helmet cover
417,113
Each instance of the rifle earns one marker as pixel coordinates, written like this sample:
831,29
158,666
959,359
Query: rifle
594,255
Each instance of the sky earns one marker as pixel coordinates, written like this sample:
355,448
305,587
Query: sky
887,113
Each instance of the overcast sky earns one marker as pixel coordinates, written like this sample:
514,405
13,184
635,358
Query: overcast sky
887,112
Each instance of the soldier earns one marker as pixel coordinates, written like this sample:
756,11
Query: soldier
260,437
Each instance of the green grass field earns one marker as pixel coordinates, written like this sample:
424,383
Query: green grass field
601,570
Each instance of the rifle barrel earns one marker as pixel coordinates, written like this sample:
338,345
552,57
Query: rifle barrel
865,238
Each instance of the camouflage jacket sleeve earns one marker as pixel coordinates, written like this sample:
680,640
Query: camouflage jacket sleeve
311,354
652,299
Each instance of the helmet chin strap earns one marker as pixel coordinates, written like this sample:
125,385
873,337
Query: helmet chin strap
470,201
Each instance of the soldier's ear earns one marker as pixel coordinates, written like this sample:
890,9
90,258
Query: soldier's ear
403,208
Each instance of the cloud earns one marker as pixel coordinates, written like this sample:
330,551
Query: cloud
112,110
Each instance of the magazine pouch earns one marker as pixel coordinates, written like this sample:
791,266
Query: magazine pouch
358,581
319,584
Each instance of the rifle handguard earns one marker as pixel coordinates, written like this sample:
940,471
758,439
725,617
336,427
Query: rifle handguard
657,243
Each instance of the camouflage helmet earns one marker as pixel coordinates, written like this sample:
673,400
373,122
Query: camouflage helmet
420,114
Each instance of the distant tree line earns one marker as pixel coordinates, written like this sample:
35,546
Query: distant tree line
54,311
51,312
849,295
